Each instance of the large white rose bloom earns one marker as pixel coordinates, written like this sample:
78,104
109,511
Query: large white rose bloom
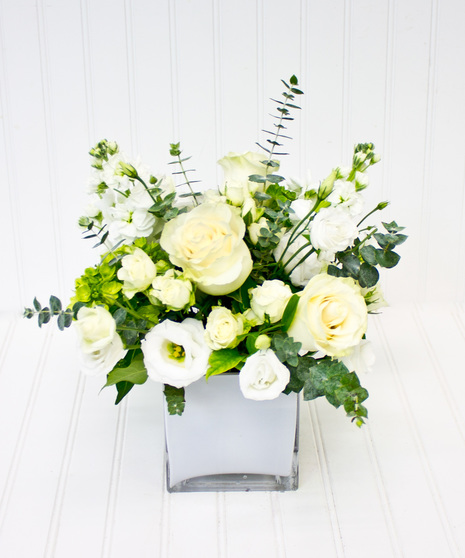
331,316
332,230
101,347
271,299
176,353
207,243
137,272
263,376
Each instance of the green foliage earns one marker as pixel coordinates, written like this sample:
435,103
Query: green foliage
223,360
286,349
134,372
175,399
44,315
331,379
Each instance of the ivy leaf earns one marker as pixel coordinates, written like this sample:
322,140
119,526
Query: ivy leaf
123,388
135,373
175,399
223,360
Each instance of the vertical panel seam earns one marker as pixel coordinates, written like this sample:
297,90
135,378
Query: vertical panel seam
24,428
131,73
174,71
53,529
326,481
303,162
425,213
382,492
260,68
222,531
50,137
88,73
218,80
388,96
430,480
115,479
346,79
277,517
9,167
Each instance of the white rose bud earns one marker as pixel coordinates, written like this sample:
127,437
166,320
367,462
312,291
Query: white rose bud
174,293
222,328
262,342
271,299
137,272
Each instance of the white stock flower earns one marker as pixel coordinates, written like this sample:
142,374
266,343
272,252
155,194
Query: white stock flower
128,223
271,299
332,230
361,359
263,376
137,272
207,243
174,292
222,328
304,271
101,347
176,353
345,195
331,316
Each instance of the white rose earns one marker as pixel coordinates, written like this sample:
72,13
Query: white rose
270,298
237,168
137,272
176,353
331,316
207,243
101,347
175,293
299,274
263,376
361,359
332,230
222,328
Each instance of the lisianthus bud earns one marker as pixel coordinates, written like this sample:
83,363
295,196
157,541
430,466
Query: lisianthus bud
125,169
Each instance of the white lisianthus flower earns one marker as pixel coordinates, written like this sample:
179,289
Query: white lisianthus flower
222,328
345,195
271,299
374,298
263,376
174,292
332,230
361,359
331,316
300,274
176,353
101,347
137,272
207,243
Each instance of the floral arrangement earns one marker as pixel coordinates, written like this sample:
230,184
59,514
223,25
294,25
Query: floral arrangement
261,275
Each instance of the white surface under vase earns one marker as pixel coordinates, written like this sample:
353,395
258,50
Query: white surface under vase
224,442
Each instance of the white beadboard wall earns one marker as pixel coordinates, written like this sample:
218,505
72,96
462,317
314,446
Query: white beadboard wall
146,73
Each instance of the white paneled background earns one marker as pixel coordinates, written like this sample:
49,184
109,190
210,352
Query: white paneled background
79,477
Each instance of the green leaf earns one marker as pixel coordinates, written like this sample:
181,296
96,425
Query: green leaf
223,360
122,388
392,227
293,80
120,316
387,258
37,305
368,276
44,316
289,312
350,263
257,178
175,399
55,304
368,253
134,373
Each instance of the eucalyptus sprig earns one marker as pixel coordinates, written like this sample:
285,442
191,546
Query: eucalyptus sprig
175,151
